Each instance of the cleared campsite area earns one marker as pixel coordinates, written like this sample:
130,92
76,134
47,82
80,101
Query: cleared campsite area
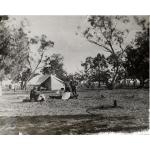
92,112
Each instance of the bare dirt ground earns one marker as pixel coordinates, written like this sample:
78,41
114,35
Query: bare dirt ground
91,113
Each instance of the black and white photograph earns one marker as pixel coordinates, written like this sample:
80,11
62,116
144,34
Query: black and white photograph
74,74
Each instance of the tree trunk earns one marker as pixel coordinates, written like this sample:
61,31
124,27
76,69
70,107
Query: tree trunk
114,77
99,80
141,82
21,85
99,84
1,81
25,85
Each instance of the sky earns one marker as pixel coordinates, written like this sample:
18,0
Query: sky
62,31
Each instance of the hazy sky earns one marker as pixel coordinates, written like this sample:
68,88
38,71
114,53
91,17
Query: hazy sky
62,30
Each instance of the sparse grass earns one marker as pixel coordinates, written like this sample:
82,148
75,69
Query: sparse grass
90,113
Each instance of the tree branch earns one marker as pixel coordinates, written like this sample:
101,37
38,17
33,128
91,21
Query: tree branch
36,66
94,42
108,41
29,63
111,47
123,50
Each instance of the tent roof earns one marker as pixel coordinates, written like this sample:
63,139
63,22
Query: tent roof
39,79
52,76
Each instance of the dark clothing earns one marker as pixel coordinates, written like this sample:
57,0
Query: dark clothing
67,87
73,87
31,94
74,91
34,94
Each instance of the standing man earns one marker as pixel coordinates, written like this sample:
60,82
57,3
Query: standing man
67,86
73,85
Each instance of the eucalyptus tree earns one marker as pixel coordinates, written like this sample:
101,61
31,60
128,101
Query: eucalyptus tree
108,33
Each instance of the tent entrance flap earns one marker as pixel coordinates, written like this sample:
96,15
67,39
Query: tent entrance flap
56,83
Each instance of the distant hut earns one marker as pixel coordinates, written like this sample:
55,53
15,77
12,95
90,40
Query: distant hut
130,83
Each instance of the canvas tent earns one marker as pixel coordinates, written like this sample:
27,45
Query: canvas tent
50,82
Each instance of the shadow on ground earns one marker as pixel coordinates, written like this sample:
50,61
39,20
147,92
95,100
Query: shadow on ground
78,124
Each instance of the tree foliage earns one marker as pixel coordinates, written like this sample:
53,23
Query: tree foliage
137,58
104,31
42,46
16,57
96,69
110,33
54,65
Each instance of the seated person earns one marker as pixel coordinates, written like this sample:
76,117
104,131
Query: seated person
34,94
59,93
62,91
67,93
41,97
